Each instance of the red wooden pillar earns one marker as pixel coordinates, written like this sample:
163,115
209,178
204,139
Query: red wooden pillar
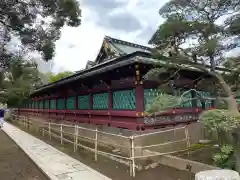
109,103
139,92
49,98
90,104
90,101
139,97
76,102
56,98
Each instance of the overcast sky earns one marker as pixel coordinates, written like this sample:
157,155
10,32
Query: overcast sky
130,20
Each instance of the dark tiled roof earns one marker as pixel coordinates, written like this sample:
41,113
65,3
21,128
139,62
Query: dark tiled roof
117,48
124,47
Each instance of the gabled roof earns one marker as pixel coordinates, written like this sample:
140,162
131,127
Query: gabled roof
113,54
112,47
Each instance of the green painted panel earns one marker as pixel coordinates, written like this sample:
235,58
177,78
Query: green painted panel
124,100
61,104
52,104
36,104
100,101
149,96
83,102
41,104
46,104
208,103
186,99
70,104
29,104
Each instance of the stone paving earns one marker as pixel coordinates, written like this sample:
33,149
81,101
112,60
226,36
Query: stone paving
54,163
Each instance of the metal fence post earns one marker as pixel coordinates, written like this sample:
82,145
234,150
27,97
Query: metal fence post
96,143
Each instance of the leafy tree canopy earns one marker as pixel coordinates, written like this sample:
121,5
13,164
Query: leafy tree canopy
200,33
55,77
36,23
17,80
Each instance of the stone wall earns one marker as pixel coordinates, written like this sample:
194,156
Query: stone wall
196,133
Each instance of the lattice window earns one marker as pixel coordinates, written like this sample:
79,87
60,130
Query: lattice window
100,101
61,104
52,104
29,104
41,104
186,101
149,96
33,105
70,104
26,104
46,104
208,103
83,102
125,99
36,104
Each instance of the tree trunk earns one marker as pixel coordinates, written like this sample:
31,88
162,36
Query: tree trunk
236,147
231,101
237,154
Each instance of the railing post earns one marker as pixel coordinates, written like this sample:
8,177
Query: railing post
28,123
43,131
61,131
133,156
130,157
49,130
24,121
96,143
76,138
187,139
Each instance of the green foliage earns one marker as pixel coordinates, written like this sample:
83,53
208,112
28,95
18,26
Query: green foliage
20,77
55,77
195,147
162,102
37,22
196,23
225,158
220,120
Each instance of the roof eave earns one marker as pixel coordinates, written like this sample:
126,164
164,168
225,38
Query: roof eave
99,68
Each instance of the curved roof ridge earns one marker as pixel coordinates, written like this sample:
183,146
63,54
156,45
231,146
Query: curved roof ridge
127,43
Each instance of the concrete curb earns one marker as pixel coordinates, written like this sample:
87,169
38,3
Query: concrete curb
40,165
179,163
33,158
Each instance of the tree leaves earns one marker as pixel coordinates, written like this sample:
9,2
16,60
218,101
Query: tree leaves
18,79
38,22
55,77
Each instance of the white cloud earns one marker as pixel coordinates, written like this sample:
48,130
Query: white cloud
78,45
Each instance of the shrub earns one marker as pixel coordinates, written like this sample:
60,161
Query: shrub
225,158
220,120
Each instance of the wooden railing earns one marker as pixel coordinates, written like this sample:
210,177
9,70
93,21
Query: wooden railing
57,130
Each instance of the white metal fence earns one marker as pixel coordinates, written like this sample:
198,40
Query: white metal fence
57,130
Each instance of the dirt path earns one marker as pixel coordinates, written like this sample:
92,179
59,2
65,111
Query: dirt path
14,164
110,168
